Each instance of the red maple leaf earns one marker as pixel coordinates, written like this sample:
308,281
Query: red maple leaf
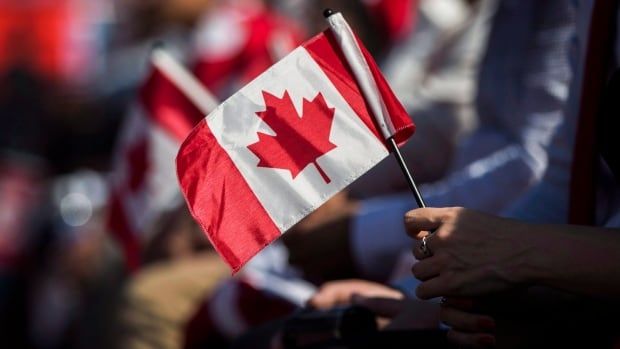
298,141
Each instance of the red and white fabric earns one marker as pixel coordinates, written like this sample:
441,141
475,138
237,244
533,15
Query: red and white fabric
236,43
266,289
143,185
236,307
254,167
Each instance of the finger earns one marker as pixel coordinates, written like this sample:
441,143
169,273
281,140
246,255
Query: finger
421,220
427,268
386,307
465,321
324,299
316,302
435,287
458,303
473,340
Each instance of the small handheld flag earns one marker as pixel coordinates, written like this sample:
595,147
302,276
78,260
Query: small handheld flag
288,141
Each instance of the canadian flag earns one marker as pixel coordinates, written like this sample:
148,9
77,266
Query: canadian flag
143,184
289,140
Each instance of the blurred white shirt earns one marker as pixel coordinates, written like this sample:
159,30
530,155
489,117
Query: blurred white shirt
524,82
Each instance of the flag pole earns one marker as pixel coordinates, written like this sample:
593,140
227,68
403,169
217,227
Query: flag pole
195,91
408,177
394,147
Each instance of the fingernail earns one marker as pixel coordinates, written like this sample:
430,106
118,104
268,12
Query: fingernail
486,341
487,324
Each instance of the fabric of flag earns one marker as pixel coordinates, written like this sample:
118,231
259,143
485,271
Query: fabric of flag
236,307
288,141
266,289
143,183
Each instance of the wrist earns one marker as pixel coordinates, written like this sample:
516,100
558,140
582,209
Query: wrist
530,247
540,250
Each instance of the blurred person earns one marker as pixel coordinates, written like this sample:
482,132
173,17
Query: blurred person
522,88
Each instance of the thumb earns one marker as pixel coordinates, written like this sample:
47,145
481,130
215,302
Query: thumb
384,307
421,220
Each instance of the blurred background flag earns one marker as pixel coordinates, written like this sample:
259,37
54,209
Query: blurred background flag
238,41
289,140
170,103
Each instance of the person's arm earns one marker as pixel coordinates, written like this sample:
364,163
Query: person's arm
475,254
580,259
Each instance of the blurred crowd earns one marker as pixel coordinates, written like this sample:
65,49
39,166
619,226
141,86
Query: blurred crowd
487,82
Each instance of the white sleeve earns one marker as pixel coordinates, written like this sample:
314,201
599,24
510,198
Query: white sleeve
489,183
520,108
548,201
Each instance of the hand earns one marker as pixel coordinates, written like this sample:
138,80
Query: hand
401,314
341,292
467,329
470,253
